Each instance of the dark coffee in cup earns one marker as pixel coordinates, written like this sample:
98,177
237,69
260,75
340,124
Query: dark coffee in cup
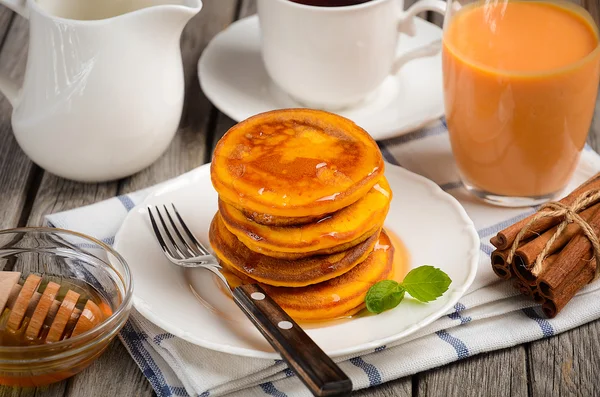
330,3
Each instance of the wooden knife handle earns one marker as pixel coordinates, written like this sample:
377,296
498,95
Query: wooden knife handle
318,372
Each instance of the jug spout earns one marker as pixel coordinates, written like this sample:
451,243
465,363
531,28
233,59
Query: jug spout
169,14
182,10
181,7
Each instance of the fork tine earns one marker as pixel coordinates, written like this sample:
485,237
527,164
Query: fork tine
169,235
193,239
159,234
176,229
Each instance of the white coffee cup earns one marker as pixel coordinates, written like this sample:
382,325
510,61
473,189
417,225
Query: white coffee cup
334,57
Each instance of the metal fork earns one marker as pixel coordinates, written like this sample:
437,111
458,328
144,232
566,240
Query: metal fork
318,372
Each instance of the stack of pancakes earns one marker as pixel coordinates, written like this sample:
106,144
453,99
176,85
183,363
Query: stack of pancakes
302,201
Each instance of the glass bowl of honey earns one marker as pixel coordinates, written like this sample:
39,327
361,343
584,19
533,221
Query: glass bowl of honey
63,297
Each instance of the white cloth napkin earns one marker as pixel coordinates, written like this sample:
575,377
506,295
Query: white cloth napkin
492,315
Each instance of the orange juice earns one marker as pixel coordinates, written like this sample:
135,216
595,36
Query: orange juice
520,81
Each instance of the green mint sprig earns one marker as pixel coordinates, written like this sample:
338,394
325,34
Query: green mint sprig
424,283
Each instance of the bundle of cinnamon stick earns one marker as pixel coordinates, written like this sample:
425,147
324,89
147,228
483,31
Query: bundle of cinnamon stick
552,254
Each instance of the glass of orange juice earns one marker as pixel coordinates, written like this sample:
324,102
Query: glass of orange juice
520,85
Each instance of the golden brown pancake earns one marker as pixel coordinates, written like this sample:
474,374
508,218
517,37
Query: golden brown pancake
326,251
295,163
362,218
339,297
272,220
290,273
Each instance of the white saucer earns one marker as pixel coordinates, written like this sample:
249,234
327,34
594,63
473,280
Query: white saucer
233,77
431,223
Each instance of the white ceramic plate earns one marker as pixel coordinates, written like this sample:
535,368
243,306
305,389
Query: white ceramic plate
233,77
432,224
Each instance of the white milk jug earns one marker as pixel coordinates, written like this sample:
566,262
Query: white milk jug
103,89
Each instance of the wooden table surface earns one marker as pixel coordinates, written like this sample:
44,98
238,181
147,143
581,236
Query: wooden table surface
567,364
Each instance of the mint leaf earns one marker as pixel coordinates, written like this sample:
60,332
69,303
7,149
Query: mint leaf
384,295
426,283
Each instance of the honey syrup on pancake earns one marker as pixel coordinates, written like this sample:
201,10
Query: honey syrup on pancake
288,151
400,264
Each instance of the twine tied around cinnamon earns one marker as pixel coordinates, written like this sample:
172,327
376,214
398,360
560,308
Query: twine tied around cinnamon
569,214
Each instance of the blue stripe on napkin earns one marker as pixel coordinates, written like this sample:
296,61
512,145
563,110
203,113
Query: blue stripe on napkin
160,337
461,349
134,339
459,307
389,157
486,248
271,390
544,324
488,231
288,373
371,371
127,202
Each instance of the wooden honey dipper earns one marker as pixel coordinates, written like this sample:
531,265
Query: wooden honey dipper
63,318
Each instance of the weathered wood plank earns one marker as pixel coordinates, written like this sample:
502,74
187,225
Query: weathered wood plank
16,170
593,6
247,8
114,374
500,373
6,17
53,390
567,364
56,194
594,135
398,388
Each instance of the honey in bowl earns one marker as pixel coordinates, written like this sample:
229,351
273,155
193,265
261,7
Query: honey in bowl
47,309
302,203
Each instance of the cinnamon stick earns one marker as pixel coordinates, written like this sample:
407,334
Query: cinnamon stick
524,273
567,290
499,265
529,251
506,237
523,288
576,258
537,297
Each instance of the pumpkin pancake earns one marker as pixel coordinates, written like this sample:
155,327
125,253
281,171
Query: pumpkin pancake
326,251
233,254
295,163
339,297
329,235
272,220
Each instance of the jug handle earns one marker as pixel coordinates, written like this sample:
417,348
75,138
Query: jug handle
8,87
